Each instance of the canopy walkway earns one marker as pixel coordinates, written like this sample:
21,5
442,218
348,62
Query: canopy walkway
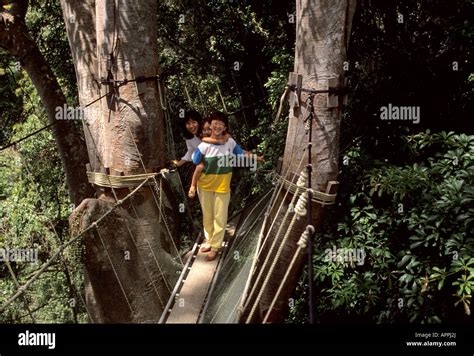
210,292
205,292
226,290
192,288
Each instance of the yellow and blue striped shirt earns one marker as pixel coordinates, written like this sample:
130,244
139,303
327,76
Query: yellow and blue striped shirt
217,172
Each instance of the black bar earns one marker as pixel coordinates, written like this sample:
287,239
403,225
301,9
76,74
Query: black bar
146,339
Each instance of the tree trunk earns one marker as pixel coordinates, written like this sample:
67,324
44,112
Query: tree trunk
15,39
322,36
129,259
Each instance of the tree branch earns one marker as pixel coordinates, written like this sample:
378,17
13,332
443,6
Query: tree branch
15,39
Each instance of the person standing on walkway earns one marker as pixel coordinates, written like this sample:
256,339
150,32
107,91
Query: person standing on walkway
213,185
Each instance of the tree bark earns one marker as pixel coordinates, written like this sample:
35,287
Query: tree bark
322,37
125,135
15,39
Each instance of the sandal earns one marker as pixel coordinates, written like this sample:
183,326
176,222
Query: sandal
205,248
211,256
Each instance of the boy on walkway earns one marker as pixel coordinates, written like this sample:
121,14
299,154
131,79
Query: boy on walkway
214,183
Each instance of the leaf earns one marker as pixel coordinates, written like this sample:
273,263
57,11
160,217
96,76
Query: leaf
462,217
415,244
404,260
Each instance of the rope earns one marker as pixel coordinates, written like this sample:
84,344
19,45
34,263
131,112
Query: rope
261,244
24,287
279,209
15,280
302,244
203,105
282,99
224,107
280,108
109,181
155,185
113,268
276,192
317,197
311,195
28,136
260,274
163,216
144,264
298,210
98,158
241,240
334,91
165,282
59,239
187,96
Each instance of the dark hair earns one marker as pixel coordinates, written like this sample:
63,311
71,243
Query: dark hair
191,115
220,116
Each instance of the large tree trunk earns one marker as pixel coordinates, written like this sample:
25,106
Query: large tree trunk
322,36
125,136
15,39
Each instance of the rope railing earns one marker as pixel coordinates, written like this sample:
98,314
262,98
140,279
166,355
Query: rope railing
300,183
111,181
300,211
317,196
138,181
302,247
63,262
93,225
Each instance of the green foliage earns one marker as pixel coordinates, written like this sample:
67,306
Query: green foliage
10,105
415,225
423,58
46,25
406,193
233,57
34,207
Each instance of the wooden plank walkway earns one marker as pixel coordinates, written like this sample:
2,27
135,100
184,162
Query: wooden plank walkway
191,297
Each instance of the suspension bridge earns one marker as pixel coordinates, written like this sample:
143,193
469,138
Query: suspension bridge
227,290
